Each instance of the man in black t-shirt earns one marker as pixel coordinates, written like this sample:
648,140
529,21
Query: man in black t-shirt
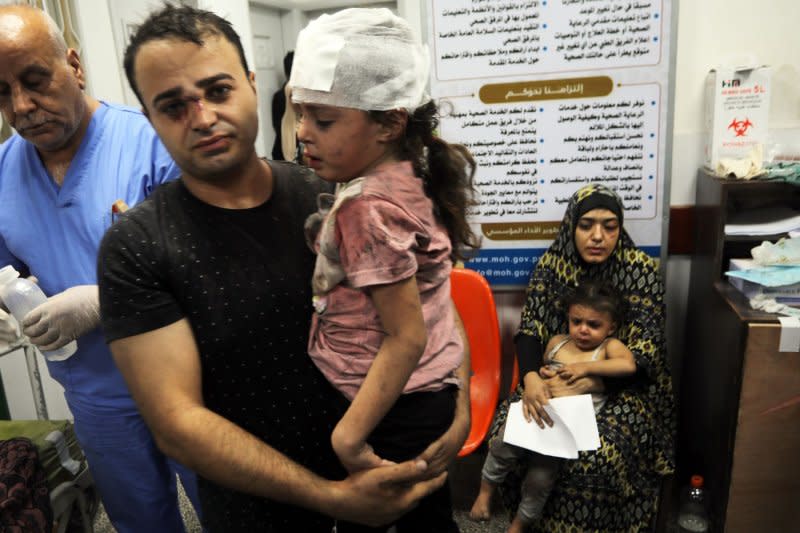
205,301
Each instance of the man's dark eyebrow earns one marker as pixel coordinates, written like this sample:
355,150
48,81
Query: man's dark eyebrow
169,93
35,70
205,82
201,84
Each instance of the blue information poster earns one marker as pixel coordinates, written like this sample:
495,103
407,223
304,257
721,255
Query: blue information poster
551,95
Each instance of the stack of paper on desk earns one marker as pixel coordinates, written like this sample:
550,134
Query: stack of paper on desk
760,222
574,428
752,279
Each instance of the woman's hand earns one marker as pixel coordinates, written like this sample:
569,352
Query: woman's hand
534,398
573,371
560,386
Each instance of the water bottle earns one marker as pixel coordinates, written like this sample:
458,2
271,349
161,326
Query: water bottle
21,296
693,511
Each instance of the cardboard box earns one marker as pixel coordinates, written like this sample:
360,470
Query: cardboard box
736,112
788,294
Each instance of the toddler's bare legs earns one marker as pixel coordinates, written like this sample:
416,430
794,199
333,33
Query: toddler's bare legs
517,525
482,508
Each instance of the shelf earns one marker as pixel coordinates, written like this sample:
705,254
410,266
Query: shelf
732,371
741,305
755,238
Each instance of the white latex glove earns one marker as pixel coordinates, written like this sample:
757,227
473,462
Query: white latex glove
9,331
63,317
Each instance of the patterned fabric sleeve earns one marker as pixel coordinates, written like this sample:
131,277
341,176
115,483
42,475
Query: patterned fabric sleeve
534,332
644,327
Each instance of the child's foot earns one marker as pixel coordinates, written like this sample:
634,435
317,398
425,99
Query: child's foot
517,526
481,509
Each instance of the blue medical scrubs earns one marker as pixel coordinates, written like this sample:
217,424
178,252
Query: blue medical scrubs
55,232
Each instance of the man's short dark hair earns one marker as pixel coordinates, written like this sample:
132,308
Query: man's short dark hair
183,23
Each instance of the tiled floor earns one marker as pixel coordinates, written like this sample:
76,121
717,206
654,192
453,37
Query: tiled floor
102,525
464,479
497,524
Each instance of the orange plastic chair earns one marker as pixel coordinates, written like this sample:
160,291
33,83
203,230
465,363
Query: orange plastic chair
514,375
473,298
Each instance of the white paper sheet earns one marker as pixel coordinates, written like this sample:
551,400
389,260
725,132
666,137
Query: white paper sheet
767,221
574,428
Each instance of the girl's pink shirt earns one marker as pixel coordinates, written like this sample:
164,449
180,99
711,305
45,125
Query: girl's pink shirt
385,234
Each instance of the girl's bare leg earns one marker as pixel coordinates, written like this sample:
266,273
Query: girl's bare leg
481,509
517,525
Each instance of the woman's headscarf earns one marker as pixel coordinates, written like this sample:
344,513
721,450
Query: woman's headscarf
635,275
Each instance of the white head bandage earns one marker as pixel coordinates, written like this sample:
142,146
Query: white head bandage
365,59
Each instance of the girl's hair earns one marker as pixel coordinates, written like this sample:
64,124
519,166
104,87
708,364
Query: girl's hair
447,170
596,295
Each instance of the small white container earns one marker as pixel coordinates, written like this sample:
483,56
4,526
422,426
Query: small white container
21,296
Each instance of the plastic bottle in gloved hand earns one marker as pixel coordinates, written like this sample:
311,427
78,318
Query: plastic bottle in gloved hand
21,296
9,330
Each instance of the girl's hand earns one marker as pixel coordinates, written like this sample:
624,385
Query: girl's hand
534,398
573,371
355,455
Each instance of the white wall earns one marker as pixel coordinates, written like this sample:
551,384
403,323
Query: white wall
99,54
714,32
725,32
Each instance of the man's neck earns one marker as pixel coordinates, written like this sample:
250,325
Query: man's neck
247,187
57,161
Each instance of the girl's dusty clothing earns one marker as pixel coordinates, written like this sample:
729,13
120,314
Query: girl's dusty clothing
381,229
384,331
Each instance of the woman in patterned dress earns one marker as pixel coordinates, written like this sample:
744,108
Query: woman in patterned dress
615,488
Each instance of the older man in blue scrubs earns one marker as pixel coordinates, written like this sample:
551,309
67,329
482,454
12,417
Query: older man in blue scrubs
72,158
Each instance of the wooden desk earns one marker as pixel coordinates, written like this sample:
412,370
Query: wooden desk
740,416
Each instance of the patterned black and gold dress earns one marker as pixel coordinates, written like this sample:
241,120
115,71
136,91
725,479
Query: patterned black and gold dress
615,488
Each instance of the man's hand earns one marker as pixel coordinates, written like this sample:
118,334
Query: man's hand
381,495
535,396
163,371
9,331
63,317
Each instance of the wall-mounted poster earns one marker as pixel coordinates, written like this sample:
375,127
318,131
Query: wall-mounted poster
550,95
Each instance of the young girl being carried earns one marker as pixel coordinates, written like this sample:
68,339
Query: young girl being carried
385,330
